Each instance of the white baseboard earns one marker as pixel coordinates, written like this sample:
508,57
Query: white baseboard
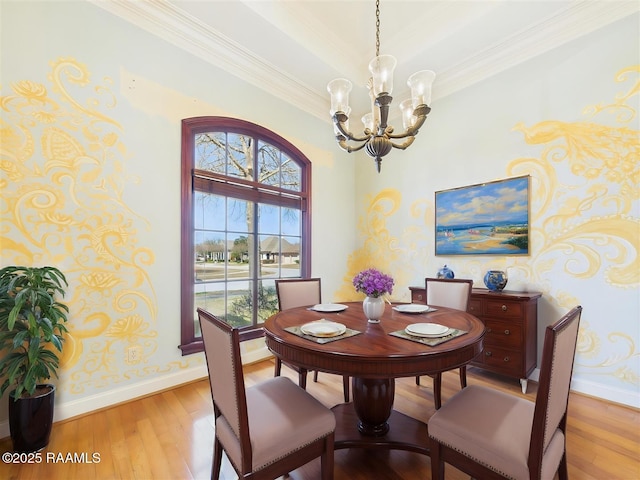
605,392
615,395
256,355
100,400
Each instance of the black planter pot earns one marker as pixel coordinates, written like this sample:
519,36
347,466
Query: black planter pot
31,419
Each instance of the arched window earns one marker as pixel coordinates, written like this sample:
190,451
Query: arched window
245,222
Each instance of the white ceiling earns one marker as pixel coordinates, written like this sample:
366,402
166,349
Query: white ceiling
293,48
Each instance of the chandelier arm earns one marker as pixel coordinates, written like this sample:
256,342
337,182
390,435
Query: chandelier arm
413,129
409,132
339,119
405,144
400,136
342,143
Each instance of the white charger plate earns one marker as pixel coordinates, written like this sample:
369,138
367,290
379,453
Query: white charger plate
329,307
428,330
413,308
323,328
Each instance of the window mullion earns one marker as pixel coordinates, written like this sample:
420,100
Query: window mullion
256,263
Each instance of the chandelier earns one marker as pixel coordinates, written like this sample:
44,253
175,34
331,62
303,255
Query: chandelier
378,138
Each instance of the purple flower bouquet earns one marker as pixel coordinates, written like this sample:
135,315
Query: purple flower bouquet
373,283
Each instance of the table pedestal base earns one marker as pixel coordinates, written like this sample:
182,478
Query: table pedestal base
405,433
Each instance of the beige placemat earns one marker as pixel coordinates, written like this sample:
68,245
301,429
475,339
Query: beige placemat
432,342
322,340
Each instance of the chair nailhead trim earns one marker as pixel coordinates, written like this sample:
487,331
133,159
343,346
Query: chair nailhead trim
289,453
477,460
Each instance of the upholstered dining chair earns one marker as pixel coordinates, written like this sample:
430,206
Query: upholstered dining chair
451,293
300,292
491,434
267,429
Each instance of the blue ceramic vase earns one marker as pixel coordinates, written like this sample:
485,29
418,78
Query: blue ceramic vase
495,280
445,272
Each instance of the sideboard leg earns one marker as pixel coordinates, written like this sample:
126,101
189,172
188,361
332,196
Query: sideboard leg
523,384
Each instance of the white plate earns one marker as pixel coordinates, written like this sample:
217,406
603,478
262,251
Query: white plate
323,328
329,307
412,308
429,330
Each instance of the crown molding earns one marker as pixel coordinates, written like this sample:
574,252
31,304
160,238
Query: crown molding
192,35
175,26
574,22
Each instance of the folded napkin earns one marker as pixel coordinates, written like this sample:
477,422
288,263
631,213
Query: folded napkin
432,342
322,340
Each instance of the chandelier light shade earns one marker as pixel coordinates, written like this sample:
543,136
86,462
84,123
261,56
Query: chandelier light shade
379,138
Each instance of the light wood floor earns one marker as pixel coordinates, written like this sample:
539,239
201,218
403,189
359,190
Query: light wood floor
169,435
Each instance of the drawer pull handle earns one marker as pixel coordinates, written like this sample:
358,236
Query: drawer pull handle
488,354
507,332
506,359
504,308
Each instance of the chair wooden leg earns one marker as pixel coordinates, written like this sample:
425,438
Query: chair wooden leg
315,376
418,380
302,378
437,464
327,459
217,460
278,367
345,387
563,473
437,388
463,377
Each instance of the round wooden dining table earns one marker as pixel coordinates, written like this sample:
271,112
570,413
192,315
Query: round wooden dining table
374,358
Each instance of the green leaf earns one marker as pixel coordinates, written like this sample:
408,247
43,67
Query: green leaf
57,342
13,315
19,339
34,350
46,327
4,387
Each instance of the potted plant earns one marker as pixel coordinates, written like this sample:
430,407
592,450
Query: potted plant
32,323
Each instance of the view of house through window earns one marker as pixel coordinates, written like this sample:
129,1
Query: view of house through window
249,221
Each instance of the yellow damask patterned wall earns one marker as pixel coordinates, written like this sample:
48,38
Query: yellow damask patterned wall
64,178
585,188
90,183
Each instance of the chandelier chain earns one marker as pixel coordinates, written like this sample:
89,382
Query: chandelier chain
377,28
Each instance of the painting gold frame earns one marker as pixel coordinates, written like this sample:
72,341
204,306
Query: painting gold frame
484,219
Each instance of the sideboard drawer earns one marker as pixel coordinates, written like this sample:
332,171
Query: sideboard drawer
503,309
501,358
503,333
418,295
475,307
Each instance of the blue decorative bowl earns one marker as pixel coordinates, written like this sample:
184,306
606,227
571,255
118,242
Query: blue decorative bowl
445,272
495,280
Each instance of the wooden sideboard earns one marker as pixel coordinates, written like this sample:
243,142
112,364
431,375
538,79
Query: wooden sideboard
511,323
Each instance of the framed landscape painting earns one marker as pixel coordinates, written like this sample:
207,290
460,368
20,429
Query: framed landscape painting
484,219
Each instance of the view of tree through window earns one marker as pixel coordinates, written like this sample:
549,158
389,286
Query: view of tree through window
249,221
